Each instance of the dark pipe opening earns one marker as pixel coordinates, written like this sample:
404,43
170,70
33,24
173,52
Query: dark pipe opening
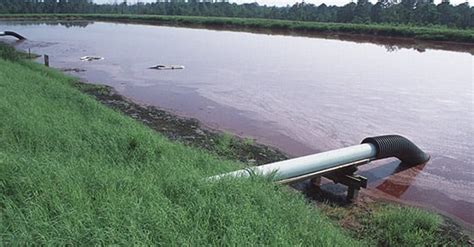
16,35
399,147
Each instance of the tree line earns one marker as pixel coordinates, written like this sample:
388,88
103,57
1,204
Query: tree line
411,12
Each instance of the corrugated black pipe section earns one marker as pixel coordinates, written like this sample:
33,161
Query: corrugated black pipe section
399,147
14,35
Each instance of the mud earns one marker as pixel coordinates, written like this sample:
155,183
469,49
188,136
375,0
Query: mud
186,130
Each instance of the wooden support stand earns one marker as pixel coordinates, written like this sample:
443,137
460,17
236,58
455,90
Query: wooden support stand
316,181
346,177
343,174
46,60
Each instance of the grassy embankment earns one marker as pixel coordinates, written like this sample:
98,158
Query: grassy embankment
74,171
434,33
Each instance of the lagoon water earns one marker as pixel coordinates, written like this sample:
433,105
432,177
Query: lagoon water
300,94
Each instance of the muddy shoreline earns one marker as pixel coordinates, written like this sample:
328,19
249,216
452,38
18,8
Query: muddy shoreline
186,130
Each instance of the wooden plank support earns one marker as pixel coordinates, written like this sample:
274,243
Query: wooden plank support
349,179
344,174
316,181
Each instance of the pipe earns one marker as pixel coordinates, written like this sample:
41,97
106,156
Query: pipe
399,147
371,148
308,164
10,33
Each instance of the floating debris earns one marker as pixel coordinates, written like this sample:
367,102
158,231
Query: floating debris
91,58
77,70
167,67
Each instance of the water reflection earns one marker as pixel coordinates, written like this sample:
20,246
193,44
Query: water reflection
394,48
397,187
396,177
391,44
67,24
395,182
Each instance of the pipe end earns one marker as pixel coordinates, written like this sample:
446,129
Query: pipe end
399,147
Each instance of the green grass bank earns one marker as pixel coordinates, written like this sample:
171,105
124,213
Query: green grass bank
433,33
73,171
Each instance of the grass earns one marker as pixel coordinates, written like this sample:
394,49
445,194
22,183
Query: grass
434,33
9,53
407,227
73,171
248,141
224,144
381,224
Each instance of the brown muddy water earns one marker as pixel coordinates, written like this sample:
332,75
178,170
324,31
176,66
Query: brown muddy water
300,94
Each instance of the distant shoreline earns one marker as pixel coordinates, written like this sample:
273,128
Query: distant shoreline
464,37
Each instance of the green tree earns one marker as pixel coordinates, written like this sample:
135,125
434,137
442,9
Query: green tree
376,12
346,13
362,11
465,17
425,13
447,14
